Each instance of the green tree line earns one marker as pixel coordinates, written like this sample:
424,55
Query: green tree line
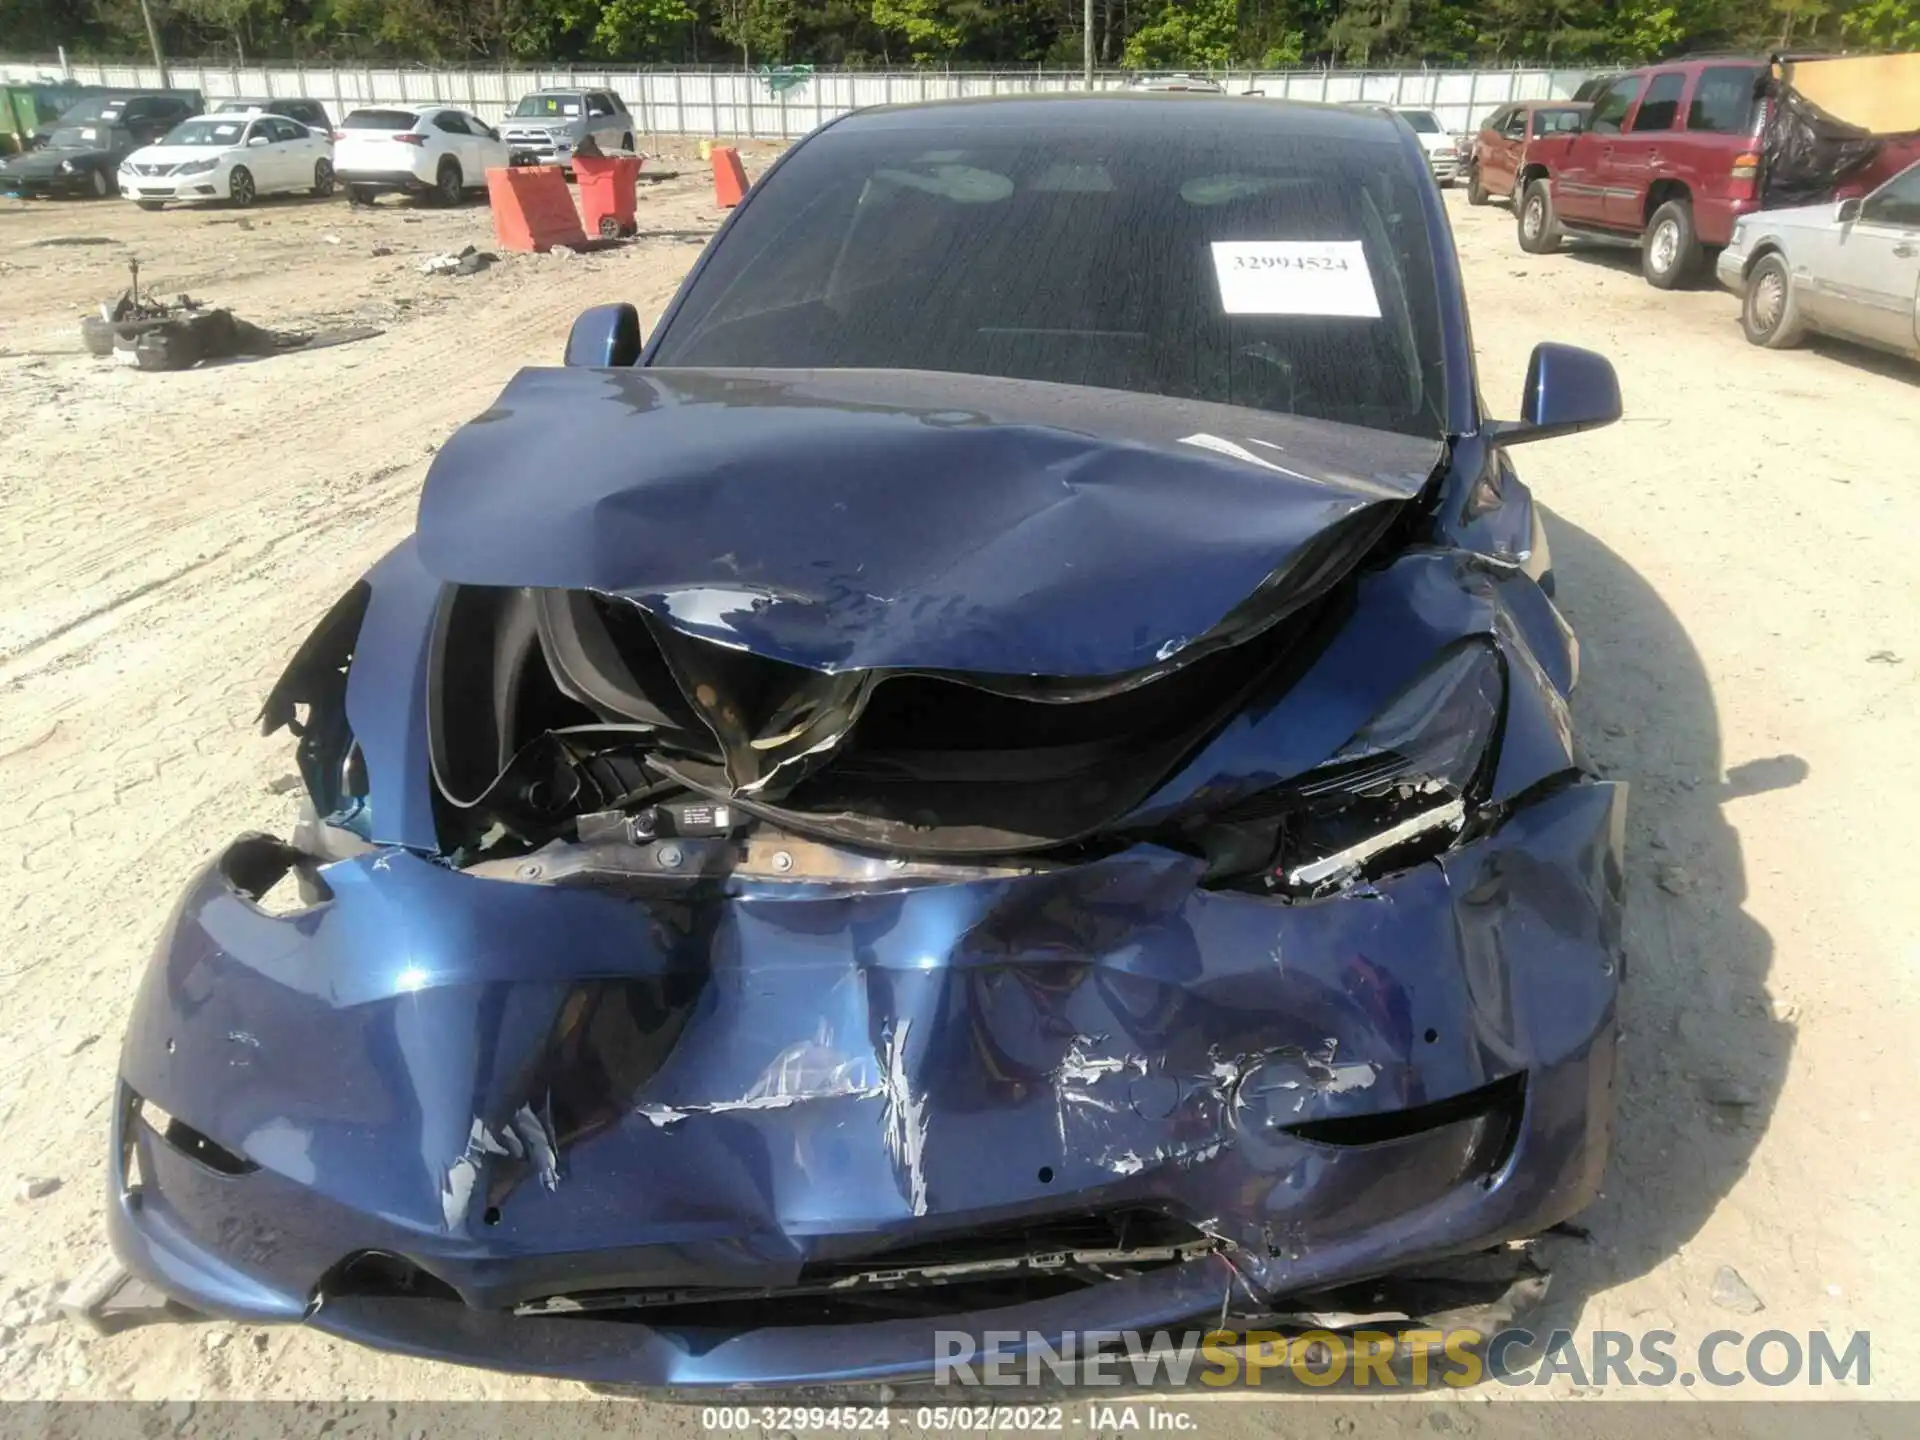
1178,34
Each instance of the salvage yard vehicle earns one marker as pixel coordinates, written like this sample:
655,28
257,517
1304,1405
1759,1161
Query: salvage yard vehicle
1499,154
1444,151
434,151
229,157
1669,155
1672,155
71,160
145,114
310,113
546,127
80,153
1009,766
1850,269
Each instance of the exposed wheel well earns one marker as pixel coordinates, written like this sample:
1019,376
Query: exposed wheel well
1760,252
1529,174
1659,193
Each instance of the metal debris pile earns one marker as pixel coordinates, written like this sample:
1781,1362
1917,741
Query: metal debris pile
152,334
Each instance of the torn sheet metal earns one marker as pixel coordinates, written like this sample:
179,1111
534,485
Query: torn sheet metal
855,520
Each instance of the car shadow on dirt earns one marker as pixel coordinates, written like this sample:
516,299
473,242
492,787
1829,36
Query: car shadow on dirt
1860,357
1623,256
1703,1055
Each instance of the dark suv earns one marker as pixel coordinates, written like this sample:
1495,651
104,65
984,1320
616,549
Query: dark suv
1669,153
310,113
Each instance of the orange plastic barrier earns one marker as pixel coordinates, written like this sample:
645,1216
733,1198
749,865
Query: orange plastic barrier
532,208
607,185
729,177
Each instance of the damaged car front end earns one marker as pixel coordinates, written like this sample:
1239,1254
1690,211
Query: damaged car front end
820,839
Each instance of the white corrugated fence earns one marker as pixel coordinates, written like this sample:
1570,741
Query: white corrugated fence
741,103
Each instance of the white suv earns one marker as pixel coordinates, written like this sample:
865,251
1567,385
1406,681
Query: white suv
548,126
1443,149
434,150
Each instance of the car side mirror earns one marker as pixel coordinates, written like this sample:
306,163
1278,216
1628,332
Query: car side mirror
1848,210
258,140
1567,390
605,336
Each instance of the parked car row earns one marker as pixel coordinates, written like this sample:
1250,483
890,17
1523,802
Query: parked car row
156,149
1671,156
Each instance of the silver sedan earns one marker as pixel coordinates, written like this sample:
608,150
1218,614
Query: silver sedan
1850,269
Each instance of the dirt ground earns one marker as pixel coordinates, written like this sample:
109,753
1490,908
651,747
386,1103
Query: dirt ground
1736,557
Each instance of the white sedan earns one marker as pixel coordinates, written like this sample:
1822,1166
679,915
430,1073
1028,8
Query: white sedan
229,157
1849,269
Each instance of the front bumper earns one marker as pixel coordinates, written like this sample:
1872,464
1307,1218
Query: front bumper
538,147
528,1091
44,187
1444,165
208,185
1730,269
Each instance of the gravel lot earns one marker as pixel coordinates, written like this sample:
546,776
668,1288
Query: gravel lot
1736,556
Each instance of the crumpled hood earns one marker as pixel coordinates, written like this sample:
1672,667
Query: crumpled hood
177,154
846,520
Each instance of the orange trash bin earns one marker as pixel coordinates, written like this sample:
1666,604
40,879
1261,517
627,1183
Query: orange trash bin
607,186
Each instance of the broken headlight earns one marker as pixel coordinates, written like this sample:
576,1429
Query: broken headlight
1400,790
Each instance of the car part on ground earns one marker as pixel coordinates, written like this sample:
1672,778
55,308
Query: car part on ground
151,334
468,261
1036,790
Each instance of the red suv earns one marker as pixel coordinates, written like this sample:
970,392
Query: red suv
1500,149
1669,153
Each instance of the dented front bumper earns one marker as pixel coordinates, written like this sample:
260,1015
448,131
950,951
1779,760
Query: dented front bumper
528,1092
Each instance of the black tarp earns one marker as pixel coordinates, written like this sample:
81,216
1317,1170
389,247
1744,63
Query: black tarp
1806,153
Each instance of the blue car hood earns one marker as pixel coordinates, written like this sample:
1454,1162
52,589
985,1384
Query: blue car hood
849,520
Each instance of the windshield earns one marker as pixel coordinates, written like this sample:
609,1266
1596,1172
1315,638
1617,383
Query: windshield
379,120
95,109
1286,275
80,137
236,107
1422,121
216,133
534,106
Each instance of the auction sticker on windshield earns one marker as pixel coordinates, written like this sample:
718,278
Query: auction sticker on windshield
1295,277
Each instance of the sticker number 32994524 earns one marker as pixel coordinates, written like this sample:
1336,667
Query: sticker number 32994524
1295,277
